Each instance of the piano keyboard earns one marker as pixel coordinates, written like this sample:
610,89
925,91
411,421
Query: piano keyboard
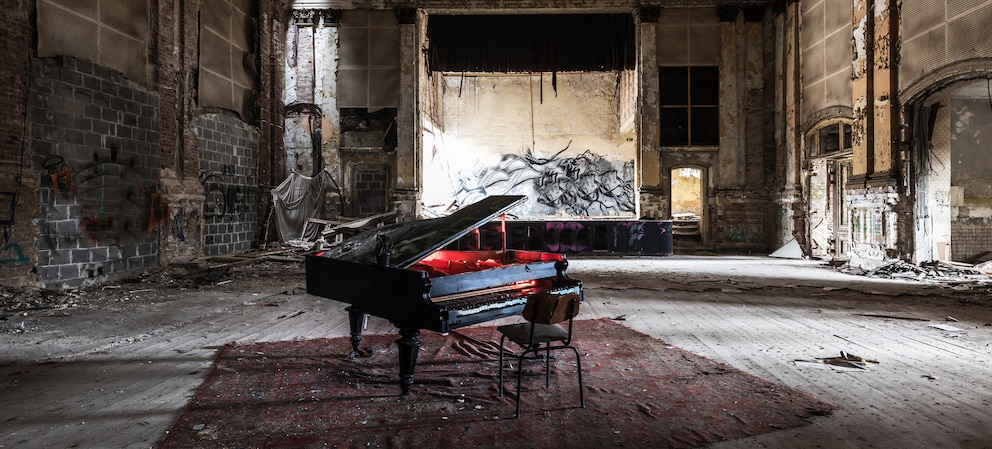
490,301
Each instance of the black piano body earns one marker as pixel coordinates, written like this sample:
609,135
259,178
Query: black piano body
422,287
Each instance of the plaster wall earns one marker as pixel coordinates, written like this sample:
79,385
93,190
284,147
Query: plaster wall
820,216
558,143
874,226
933,217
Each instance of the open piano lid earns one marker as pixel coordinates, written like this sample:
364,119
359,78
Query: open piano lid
415,240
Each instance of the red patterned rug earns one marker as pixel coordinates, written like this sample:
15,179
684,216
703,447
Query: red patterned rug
640,392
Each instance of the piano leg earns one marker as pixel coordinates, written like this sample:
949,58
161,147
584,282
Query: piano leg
409,346
356,320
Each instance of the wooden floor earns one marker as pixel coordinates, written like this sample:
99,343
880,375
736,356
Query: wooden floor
115,370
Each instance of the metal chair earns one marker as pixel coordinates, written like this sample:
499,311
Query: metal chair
542,331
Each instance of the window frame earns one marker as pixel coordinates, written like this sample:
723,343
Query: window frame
689,107
815,146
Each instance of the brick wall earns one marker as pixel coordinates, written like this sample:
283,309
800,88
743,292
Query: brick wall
229,172
18,185
95,152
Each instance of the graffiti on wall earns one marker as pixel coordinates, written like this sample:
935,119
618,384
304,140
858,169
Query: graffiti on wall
185,221
557,244
116,201
226,200
60,175
11,252
585,185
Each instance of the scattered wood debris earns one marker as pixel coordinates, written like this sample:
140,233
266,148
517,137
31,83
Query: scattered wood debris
895,317
224,261
941,273
846,361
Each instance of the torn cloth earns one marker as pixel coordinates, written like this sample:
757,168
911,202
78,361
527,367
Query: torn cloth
297,199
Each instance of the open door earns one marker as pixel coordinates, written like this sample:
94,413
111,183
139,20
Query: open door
688,216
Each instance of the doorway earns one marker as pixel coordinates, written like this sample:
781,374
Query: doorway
687,206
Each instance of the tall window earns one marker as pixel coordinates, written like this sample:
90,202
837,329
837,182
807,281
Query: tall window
689,105
112,33
369,73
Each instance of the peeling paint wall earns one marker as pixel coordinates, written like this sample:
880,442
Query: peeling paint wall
820,216
874,224
739,210
933,184
875,188
944,45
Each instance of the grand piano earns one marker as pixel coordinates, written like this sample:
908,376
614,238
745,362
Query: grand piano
402,273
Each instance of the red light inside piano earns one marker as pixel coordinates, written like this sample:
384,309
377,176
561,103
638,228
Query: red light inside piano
443,263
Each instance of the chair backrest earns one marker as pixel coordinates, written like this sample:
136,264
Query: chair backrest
547,308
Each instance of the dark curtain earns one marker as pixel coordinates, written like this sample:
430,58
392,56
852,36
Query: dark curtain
531,43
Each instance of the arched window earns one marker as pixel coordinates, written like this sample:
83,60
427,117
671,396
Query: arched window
830,138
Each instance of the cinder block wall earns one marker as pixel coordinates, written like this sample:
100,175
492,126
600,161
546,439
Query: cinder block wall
95,150
229,172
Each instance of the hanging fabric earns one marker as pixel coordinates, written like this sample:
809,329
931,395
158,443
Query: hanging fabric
296,200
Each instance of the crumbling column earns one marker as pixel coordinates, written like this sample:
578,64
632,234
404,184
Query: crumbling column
653,196
874,189
406,190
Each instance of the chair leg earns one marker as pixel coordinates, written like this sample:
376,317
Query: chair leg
520,377
578,365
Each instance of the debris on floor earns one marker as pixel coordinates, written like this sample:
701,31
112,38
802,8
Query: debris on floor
894,317
947,327
845,362
958,276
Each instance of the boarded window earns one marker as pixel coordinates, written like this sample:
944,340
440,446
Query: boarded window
225,56
111,33
369,72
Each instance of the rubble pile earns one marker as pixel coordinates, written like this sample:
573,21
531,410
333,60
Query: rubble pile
940,273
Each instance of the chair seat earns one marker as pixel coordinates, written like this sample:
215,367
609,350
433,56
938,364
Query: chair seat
519,333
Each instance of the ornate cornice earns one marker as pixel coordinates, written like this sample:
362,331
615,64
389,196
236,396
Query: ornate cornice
310,17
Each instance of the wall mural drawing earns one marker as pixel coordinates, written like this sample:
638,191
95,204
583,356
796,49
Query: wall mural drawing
584,185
